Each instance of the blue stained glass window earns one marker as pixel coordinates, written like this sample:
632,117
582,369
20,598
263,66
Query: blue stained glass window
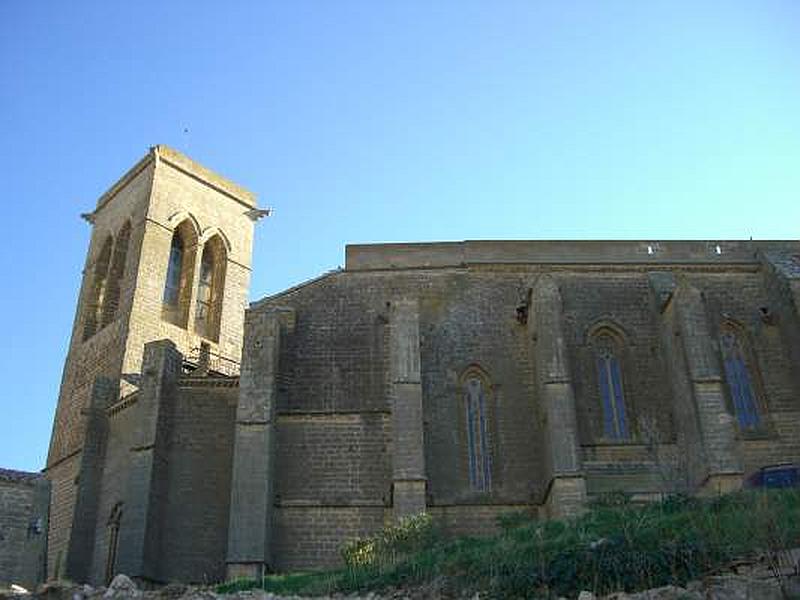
619,401
478,443
739,381
609,377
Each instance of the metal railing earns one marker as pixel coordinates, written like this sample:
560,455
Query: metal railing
201,361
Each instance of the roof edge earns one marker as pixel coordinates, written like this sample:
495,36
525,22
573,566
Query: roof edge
393,256
256,304
14,476
181,162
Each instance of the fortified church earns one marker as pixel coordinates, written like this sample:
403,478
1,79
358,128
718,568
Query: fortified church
198,439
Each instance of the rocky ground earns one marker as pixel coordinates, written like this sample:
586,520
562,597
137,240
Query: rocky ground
722,587
754,579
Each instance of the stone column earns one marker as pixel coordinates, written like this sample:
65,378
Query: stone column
408,455
84,521
566,490
252,494
140,534
723,464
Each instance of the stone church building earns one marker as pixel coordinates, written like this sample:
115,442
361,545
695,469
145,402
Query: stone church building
197,438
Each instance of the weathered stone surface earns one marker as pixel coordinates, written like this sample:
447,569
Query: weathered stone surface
734,587
164,192
352,405
668,592
24,501
122,588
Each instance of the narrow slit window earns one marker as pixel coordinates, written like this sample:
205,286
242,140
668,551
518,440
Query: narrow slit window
116,275
97,296
172,288
478,442
114,522
612,397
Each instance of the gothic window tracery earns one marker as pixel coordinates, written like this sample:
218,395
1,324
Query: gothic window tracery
479,453
609,378
739,378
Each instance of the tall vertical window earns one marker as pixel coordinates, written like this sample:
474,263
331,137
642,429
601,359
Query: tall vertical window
479,454
210,285
179,284
740,381
609,379
116,274
172,287
93,315
205,286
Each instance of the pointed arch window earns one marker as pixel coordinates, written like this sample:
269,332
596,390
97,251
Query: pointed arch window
210,286
205,287
117,272
180,273
93,315
113,525
476,392
172,287
739,378
609,379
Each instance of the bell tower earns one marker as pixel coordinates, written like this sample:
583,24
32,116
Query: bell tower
169,257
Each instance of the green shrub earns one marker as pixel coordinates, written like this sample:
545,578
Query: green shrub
615,546
514,519
410,534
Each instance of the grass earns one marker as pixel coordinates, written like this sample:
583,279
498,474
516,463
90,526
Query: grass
614,546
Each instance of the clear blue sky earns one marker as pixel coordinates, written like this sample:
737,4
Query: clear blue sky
384,121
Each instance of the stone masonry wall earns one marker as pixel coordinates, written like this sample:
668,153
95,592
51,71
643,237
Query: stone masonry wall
200,456
310,537
100,355
336,459
336,361
739,297
24,501
333,472
162,190
175,197
340,371
621,302
194,506
122,424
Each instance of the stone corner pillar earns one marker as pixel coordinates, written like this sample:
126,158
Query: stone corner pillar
565,497
566,484
84,522
723,464
782,282
409,482
140,531
250,525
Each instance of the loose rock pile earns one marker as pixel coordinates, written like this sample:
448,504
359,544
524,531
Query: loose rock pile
724,587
